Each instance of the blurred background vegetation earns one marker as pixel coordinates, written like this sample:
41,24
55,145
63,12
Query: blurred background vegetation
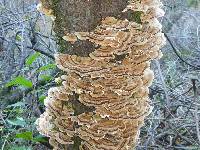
27,71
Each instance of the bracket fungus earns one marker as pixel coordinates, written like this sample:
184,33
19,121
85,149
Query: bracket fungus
116,90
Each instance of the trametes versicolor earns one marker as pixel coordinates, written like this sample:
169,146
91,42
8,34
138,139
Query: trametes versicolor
118,90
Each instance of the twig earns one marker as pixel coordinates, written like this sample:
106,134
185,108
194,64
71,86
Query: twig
42,52
16,95
4,143
163,84
176,52
196,109
33,48
1,117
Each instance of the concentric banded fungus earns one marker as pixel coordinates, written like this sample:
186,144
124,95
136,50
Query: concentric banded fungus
112,83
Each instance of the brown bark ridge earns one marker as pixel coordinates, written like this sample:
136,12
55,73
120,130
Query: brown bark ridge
81,16
106,46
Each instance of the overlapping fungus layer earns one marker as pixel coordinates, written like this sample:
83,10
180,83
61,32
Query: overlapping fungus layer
114,80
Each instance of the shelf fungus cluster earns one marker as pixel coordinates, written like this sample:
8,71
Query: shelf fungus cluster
112,82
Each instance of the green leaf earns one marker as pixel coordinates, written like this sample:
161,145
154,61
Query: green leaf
40,139
20,81
32,58
46,77
25,135
18,38
17,122
41,98
47,67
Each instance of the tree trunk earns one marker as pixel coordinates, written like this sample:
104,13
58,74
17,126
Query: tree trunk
106,47
81,16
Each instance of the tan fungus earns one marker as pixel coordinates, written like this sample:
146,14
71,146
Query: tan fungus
113,81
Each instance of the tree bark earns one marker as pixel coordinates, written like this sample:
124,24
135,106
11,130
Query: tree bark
107,59
81,16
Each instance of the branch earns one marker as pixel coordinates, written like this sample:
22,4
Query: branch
33,48
196,109
42,52
163,84
176,52
13,96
